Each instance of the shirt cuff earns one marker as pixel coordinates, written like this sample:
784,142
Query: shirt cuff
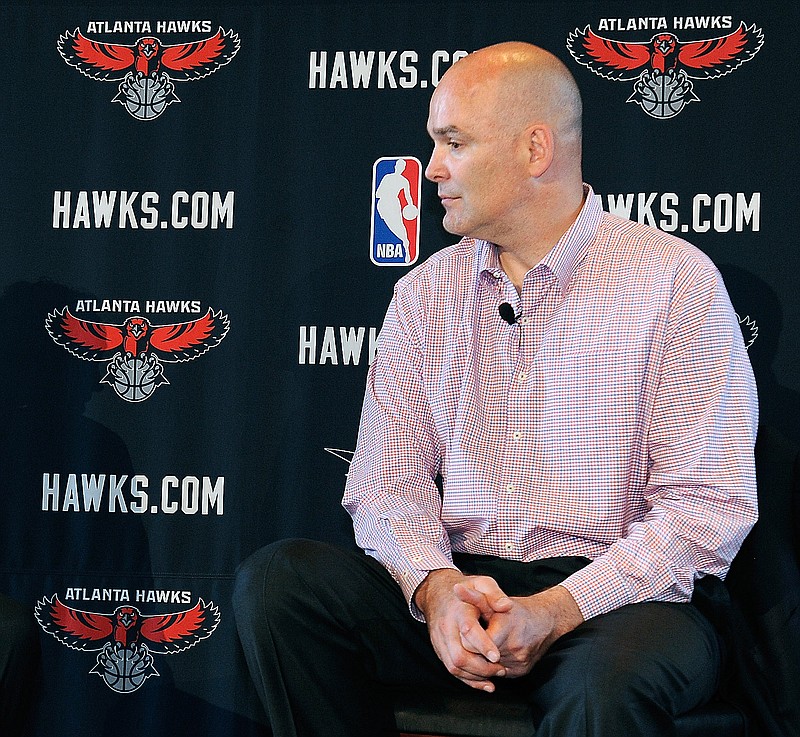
413,570
599,588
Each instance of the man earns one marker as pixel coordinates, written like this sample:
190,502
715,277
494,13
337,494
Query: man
579,386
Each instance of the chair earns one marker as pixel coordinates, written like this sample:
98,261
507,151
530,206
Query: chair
763,618
425,716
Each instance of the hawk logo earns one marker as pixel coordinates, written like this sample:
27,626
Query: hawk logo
126,638
664,67
136,348
146,71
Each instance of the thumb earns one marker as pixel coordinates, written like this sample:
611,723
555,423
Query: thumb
484,595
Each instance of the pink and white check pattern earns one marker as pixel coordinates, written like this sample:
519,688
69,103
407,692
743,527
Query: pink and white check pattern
615,420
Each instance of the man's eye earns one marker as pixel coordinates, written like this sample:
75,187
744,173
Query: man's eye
454,144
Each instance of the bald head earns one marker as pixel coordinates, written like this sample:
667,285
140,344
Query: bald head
505,124
524,84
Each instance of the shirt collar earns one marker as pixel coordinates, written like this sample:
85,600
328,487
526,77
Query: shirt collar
563,259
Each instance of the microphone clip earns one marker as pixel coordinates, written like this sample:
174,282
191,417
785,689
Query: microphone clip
507,313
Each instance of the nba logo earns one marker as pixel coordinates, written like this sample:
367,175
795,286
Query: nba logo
396,188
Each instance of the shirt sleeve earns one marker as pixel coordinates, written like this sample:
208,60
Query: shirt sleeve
391,490
701,491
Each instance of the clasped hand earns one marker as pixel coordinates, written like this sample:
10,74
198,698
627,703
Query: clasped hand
480,633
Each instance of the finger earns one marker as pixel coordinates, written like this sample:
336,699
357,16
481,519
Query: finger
461,661
472,637
466,673
487,598
486,686
475,639
519,669
495,596
469,595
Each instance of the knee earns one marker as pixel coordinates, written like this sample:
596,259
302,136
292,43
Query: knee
640,674
272,574
615,680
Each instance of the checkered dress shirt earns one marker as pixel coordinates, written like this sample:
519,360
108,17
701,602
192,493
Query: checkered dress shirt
615,419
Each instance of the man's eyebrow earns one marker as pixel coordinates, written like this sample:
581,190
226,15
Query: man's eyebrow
447,130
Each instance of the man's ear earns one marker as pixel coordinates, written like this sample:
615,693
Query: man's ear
541,148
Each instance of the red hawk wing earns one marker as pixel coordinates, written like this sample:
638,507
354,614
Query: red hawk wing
187,340
75,628
92,341
608,58
171,633
96,59
716,57
200,58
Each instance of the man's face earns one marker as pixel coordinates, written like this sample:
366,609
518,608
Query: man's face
478,163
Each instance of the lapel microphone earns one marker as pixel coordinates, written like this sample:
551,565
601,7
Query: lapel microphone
507,313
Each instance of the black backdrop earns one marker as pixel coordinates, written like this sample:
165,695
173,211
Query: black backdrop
246,189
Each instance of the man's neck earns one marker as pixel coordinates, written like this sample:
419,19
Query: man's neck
518,257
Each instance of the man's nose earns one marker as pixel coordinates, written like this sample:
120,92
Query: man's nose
435,170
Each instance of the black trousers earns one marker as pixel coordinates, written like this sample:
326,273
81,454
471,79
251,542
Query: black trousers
327,632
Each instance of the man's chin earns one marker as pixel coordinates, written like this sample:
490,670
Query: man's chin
453,226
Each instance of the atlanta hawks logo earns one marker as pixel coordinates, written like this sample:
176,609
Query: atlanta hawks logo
136,348
125,639
664,67
147,69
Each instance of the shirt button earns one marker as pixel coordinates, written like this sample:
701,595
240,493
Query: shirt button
524,320
510,487
510,546
516,435
416,559
522,376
